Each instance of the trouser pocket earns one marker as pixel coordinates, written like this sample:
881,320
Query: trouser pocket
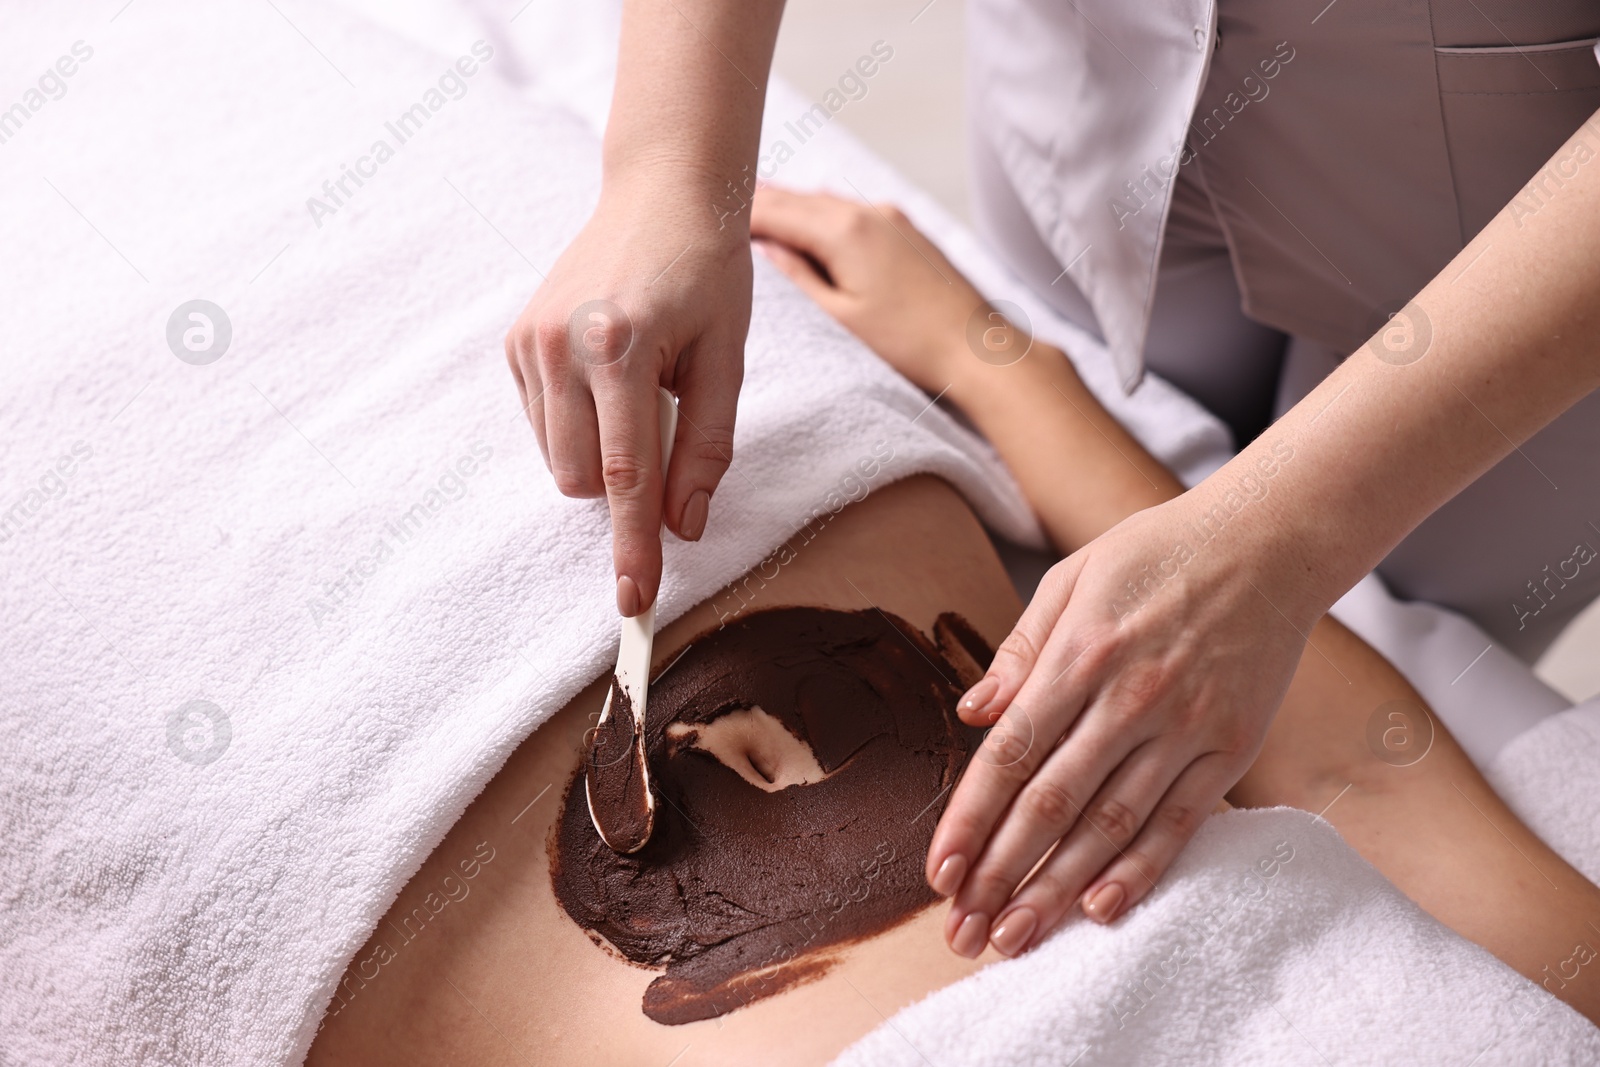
1506,112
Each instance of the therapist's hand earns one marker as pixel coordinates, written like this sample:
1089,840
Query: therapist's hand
652,291
1129,709
1134,692
1139,683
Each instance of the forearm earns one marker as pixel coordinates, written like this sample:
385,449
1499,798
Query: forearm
1383,442
691,82
1082,472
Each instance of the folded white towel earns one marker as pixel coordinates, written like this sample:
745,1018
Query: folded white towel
1244,957
1269,942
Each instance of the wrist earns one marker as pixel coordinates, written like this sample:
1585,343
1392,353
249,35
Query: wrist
637,171
703,210
990,385
1254,506
980,351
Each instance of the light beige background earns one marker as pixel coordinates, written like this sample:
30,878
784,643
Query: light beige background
914,115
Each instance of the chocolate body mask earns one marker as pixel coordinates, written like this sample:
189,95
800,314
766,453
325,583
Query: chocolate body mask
617,790
743,892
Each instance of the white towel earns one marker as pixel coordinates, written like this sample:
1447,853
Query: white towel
1550,776
272,621
1241,958
1269,942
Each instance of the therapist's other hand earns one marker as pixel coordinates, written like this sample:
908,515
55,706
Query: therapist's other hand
874,272
652,291
1136,689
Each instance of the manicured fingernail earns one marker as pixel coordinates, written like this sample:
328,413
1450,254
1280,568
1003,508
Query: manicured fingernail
627,596
947,879
1013,932
972,936
978,696
694,515
1106,902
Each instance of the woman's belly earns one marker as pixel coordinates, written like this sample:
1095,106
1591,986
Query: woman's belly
478,961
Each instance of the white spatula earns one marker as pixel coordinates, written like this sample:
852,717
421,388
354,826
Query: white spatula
629,834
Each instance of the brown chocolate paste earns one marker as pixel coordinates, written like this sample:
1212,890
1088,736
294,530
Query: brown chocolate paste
618,794
741,893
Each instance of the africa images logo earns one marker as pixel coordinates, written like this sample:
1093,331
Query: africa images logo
199,332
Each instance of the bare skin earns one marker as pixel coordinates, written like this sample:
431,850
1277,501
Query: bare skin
504,976
501,976
1153,716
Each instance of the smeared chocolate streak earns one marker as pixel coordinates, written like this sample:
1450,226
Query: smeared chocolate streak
742,893
963,647
619,796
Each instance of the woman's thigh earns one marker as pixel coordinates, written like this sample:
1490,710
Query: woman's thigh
477,962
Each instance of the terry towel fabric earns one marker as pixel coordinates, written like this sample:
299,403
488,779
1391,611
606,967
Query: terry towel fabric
1270,942
273,620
